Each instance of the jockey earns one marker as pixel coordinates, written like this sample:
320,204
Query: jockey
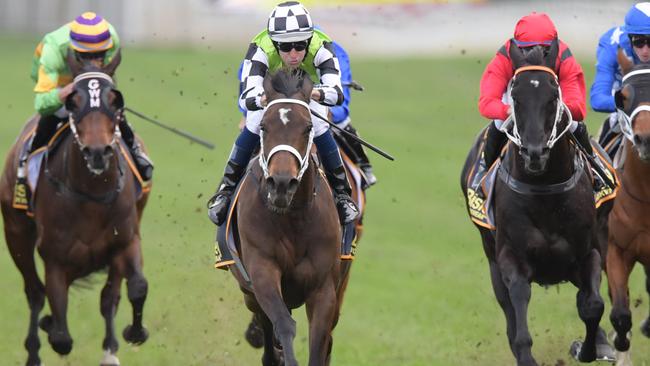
93,41
289,41
634,39
531,30
340,114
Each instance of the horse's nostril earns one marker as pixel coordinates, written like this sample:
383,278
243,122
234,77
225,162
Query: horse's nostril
293,184
546,151
86,151
108,151
270,182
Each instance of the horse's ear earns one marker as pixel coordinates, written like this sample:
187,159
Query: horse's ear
551,58
623,61
306,87
268,88
74,64
115,62
516,55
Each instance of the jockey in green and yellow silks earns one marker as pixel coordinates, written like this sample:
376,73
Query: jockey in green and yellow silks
92,40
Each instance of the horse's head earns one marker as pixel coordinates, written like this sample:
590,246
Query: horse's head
80,63
95,108
537,105
286,135
633,105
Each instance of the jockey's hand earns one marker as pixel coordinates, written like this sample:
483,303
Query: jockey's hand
510,111
315,94
263,100
65,91
242,123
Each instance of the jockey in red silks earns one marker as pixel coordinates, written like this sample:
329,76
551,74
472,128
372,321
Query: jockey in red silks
535,29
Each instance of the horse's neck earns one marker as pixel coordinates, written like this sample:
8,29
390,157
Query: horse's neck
78,177
560,165
636,173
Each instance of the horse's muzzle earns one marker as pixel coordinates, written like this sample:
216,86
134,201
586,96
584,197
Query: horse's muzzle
535,158
281,189
98,159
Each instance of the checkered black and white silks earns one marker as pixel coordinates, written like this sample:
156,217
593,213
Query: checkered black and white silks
290,22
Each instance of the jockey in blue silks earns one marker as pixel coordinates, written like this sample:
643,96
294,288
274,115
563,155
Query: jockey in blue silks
340,113
634,39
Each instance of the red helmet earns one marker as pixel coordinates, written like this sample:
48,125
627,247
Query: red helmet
535,29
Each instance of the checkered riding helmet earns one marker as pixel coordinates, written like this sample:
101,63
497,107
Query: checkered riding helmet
290,22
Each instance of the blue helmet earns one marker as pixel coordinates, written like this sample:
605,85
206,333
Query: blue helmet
637,19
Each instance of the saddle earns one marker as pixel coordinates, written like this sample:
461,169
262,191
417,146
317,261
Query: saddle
481,183
24,200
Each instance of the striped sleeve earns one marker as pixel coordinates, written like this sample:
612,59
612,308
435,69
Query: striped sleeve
329,72
252,78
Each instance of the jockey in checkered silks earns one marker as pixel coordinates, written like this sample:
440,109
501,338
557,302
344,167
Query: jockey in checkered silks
289,41
633,39
92,40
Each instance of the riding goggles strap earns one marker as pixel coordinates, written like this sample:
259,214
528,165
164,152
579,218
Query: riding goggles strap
304,160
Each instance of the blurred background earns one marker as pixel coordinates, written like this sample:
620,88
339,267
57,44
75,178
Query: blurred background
419,292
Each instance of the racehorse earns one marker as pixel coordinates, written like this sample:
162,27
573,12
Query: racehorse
629,224
86,216
544,207
289,228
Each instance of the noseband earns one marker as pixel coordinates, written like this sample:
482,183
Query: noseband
304,160
560,110
624,119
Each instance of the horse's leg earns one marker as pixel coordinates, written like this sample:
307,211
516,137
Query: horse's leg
645,327
254,333
590,304
272,356
56,325
21,244
501,293
137,286
519,292
618,272
322,306
110,299
265,277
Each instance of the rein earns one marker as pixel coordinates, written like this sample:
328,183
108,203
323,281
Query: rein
304,161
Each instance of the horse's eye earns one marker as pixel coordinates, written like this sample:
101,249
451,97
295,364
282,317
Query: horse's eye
308,129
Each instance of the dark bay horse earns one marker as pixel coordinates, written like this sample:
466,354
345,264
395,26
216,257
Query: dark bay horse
629,222
86,218
544,208
289,229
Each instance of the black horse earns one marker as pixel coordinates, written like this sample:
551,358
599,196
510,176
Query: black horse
544,208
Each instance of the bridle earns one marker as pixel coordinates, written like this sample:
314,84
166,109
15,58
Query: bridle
560,110
624,119
304,160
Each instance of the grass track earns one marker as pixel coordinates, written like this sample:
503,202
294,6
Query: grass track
420,291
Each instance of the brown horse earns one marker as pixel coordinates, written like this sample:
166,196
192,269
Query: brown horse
289,229
86,217
629,223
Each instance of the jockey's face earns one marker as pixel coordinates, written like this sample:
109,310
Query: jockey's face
292,53
641,46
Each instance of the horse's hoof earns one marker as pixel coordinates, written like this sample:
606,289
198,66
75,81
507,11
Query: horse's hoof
109,359
254,335
135,335
645,327
61,344
605,352
580,354
623,358
46,323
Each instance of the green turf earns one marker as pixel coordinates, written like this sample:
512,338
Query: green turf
420,292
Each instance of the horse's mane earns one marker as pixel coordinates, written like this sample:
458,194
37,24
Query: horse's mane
288,82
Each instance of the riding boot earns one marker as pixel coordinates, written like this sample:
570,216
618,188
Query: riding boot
337,178
494,142
360,157
241,153
582,136
142,161
45,129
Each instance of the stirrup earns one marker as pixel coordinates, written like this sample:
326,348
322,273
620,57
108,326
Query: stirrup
218,206
370,178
